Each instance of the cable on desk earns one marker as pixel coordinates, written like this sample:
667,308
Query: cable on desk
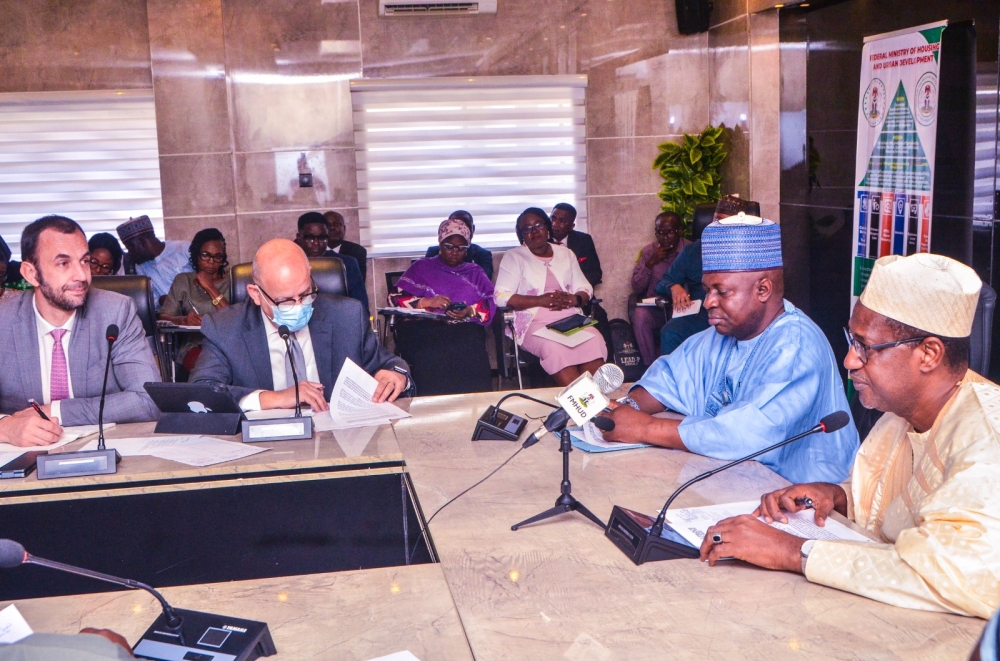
409,556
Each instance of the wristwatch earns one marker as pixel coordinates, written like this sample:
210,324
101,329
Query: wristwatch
409,381
579,301
807,547
217,300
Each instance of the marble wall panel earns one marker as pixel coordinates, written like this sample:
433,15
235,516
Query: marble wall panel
834,181
289,73
184,229
727,10
621,226
624,166
197,184
268,181
765,116
729,104
81,45
189,84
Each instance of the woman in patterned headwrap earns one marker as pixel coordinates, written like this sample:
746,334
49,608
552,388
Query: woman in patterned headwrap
447,353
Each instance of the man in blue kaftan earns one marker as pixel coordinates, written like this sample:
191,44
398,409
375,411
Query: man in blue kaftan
763,372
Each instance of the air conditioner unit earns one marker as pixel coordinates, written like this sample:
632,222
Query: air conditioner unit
441,8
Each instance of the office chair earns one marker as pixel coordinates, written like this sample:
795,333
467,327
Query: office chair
140,289
327,272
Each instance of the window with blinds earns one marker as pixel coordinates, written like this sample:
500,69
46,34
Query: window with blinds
90,156
987,118
492,146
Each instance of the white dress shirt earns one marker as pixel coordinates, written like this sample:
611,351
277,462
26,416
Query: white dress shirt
45,345
276,352
337,249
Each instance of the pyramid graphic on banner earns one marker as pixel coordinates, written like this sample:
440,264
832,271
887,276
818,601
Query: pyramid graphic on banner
898,161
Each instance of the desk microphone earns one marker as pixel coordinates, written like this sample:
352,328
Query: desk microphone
111,334
285,334
101,461
176,634
628,529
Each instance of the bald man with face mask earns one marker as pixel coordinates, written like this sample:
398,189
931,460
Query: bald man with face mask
243,351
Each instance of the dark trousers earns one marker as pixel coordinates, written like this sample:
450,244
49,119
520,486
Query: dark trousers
675,331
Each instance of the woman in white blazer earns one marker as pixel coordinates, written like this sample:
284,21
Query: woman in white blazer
543,283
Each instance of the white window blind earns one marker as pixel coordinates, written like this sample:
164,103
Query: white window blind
90,156
492,146
986,145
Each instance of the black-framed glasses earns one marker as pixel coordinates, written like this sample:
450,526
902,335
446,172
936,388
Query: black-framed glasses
288,304
449,247
103,269
312,238
669,232
218,257
862,349
537,227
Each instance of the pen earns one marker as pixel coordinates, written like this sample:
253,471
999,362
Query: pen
38,410
194,308
808,502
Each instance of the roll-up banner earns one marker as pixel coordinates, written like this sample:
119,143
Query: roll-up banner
894,162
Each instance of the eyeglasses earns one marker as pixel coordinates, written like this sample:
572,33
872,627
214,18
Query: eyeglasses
288,304
209,257
104,269
312,238
537,227
669,232
862,349
453,248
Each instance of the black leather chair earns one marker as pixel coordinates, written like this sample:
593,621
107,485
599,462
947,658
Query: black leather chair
328,274
979,356
703,216
140,289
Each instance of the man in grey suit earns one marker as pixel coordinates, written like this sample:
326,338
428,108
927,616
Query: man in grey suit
53,346
242,348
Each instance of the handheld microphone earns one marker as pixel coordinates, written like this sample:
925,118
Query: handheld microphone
627,529
607,379
111,334
285,334
166,638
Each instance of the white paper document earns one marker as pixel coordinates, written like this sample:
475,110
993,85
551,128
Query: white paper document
593,436
274,414
574,340
353,441
69,435
351,402
693,522
694,308
190,450
13,627
398,656
647,302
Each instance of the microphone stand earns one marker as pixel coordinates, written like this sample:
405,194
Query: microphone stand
281,429
565,502
295,376
104,391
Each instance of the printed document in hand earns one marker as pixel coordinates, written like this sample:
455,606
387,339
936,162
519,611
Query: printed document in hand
574,340
694,308
69,435
190,450
693,522
351,402
13,627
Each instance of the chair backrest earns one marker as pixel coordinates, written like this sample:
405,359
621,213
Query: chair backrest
703,215
391,278
982,331
328,273
137,287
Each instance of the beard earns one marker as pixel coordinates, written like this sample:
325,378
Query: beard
59,298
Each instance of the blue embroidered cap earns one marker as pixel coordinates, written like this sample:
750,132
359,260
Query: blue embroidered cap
741,243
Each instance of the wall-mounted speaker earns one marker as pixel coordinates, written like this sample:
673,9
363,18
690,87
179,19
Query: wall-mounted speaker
693,16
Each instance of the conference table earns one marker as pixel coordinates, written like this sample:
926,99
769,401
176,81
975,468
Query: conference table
558,589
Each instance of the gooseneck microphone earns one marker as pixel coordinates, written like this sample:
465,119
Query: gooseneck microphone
176,634
111,334
13,554
285,334
627,529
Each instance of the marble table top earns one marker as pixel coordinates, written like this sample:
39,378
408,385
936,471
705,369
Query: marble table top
561,590
349,616
339,450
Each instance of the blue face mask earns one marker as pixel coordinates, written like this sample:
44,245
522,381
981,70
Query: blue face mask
296,319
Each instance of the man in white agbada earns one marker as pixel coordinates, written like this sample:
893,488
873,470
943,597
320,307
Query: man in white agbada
926,482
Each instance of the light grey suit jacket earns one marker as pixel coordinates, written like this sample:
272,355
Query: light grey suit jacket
132,362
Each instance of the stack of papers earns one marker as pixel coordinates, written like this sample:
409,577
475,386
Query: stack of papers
190,450
351,403
647,302
589,439
694,308
692,523
574,340
413,312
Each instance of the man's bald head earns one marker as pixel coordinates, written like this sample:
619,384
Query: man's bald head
282,269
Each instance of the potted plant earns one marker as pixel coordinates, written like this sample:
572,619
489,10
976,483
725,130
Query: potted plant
690,171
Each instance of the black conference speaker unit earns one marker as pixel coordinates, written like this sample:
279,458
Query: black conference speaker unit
693,16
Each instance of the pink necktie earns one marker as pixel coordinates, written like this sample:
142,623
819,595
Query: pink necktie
59,383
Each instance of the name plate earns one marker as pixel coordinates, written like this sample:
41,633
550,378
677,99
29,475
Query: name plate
277,429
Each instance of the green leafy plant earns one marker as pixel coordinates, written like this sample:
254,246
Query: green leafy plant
690,171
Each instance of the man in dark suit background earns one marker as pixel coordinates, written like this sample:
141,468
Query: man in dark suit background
476,254
338,245
313,237
53,346
242,349
563,221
